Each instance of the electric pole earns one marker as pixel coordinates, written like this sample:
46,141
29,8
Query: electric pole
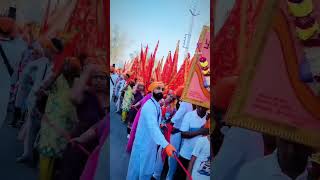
187,37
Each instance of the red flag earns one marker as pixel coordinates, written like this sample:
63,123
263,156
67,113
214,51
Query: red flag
150,66
175,61
179,78
158,70
166,69
155,50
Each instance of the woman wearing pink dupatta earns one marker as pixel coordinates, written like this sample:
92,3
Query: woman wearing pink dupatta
102,131
135,122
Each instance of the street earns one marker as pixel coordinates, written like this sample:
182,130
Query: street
119,158
10,149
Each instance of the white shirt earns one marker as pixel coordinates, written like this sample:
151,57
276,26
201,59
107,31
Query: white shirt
191,122
119,86
239,146
13,50
266,168
201,167
178,116
113,79
44,68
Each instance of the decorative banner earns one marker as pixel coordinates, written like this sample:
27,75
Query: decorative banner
197,86
279,90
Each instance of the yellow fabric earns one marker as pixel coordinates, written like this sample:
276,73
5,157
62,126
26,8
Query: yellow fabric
46,168
204,64
154,85
305,34
124,115
301,9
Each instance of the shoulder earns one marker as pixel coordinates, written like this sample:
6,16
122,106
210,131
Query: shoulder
257,168
149,105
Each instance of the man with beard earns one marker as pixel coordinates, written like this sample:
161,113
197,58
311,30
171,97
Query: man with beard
148,137
11,49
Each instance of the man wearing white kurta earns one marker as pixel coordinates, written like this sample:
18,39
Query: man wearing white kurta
148,137
175,137
113,79
13,49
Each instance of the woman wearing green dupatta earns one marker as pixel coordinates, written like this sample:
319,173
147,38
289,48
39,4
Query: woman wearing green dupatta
127,100
60,117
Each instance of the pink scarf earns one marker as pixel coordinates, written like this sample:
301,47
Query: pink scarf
135,123
92,162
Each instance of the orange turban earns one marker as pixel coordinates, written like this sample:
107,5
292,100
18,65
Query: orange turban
179,91
154,85
7,25
74,62
223,92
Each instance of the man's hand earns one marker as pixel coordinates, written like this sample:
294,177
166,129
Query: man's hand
170,150
204,131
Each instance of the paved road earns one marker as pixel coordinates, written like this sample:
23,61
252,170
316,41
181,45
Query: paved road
10,149
119,158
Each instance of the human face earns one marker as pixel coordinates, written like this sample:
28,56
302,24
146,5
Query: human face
99,81
201,111
140,88
158,93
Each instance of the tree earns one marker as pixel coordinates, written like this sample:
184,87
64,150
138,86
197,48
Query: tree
119,42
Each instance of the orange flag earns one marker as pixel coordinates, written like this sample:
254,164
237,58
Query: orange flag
166,69
175,61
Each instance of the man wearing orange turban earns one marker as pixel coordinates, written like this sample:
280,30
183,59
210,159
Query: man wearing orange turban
11,50
148,137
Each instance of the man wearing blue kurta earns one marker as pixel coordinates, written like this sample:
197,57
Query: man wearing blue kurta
10,56
148,137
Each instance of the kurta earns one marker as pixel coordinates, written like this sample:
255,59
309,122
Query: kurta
60,112
147,138
127,99
13,50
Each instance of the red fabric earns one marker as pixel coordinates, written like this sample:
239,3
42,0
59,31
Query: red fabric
179,78
175,62
167,69
223,92
226,46
68,50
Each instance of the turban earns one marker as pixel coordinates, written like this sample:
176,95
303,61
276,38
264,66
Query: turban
223,92
74,63
154,85
179,91
7,25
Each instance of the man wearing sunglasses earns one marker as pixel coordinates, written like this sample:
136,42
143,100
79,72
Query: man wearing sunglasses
148,137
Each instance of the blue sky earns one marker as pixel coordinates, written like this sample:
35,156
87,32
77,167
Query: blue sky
147,21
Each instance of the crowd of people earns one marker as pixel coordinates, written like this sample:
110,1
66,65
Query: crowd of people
58,105
161,128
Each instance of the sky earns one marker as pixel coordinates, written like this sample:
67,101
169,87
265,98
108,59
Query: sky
147,21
